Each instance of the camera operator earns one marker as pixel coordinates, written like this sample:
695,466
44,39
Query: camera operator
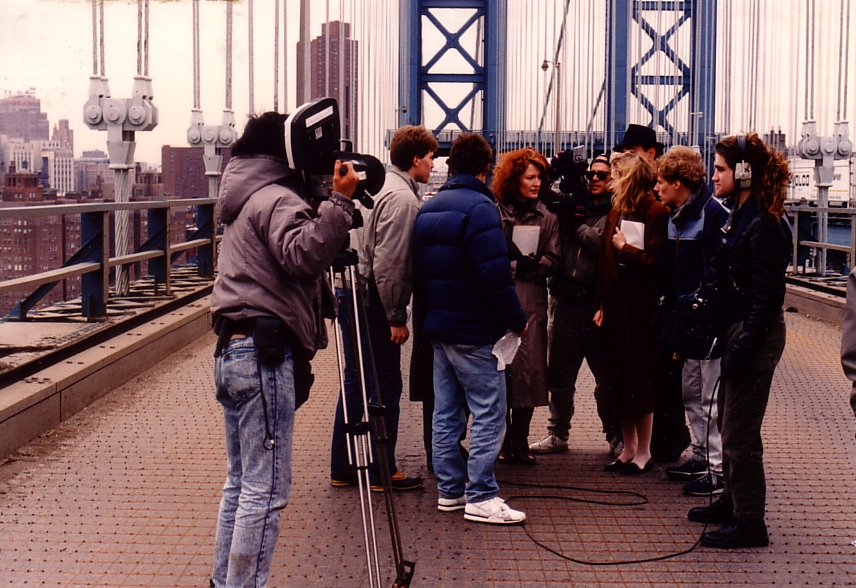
582,211
269,304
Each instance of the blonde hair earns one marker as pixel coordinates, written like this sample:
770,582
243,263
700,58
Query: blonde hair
633,178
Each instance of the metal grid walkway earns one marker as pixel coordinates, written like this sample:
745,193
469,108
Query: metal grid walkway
126,494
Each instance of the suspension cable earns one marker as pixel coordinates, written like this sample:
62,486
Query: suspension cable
139,37
146,43
252,107
229,19
103,65
94,39
196,92
276,56
843,61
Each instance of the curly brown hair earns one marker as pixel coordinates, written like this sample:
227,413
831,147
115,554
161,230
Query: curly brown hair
771,174
511,166
409,142
684,165
632,178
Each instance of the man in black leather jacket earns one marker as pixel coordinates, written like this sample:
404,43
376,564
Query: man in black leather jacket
749,273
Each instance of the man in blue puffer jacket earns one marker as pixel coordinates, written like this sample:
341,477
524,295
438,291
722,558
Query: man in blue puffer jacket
463,273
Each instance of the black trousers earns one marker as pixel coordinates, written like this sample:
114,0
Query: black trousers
742,404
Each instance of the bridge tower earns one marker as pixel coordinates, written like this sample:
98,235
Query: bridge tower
635,71
468,68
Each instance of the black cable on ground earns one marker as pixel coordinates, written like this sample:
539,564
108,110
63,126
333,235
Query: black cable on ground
642,500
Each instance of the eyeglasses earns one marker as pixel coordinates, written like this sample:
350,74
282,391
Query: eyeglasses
600,175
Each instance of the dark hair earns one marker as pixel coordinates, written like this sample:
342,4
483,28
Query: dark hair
470,155
263,135
771,174
409,142
511,166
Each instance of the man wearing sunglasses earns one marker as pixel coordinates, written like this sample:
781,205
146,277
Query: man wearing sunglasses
581,220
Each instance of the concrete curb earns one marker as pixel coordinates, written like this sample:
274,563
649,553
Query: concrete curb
36,404
815,304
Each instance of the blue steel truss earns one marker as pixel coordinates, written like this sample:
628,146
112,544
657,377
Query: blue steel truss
695,79
485,80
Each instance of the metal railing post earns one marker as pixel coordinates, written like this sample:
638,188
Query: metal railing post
95,285
797,242
158,226
205,256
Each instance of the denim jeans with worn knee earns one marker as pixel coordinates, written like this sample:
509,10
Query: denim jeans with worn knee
256,400
466,376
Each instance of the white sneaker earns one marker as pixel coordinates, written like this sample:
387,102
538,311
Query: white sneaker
450,504
493,511
549,444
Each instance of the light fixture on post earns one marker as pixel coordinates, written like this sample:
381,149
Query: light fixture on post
545,66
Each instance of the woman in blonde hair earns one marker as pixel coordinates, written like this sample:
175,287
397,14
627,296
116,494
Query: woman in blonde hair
632,264
517,182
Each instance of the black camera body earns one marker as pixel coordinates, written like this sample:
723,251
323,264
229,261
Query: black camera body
313,144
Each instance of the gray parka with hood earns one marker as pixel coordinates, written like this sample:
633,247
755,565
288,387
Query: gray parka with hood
275,249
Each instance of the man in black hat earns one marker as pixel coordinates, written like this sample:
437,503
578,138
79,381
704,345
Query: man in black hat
641,140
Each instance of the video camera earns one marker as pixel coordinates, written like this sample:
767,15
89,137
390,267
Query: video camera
570,166
313,144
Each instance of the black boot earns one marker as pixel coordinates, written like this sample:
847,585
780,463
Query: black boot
519,434
739,534
721,512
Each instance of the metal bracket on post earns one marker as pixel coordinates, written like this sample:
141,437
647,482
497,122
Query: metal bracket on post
824,151
213,139
121,118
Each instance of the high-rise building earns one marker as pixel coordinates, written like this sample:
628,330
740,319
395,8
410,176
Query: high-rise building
21,117
335,76
184,172
63,135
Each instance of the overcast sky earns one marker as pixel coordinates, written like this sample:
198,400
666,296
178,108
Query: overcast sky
47,45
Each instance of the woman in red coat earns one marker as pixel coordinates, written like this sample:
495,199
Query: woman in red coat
631,272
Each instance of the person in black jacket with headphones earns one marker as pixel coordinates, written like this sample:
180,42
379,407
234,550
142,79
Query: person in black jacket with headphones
749,274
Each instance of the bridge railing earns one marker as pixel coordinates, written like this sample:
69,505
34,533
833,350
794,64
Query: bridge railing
802,215
92,262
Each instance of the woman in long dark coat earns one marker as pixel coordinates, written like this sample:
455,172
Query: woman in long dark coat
628,291
517,184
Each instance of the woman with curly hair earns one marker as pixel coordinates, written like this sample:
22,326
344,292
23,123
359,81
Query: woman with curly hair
749,275
632,268
517,182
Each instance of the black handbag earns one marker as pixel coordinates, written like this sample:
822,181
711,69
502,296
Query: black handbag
693,330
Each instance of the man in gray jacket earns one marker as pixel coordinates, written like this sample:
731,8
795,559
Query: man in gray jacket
386,266
269,308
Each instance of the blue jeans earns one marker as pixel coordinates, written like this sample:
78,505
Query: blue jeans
466,376
258,480
387,357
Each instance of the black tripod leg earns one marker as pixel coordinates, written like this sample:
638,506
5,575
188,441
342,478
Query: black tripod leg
404,569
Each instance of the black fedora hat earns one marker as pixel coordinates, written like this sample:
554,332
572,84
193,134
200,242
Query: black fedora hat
639,135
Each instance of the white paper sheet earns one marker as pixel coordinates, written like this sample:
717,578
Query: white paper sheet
505,350
526,238
634,232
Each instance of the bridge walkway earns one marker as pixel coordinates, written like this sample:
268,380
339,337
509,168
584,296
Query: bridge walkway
125,493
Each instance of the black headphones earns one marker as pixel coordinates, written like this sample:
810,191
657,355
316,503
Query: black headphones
742,171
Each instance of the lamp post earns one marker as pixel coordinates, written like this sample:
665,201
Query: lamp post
545,66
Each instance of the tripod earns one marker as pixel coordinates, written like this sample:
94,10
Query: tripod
371,425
